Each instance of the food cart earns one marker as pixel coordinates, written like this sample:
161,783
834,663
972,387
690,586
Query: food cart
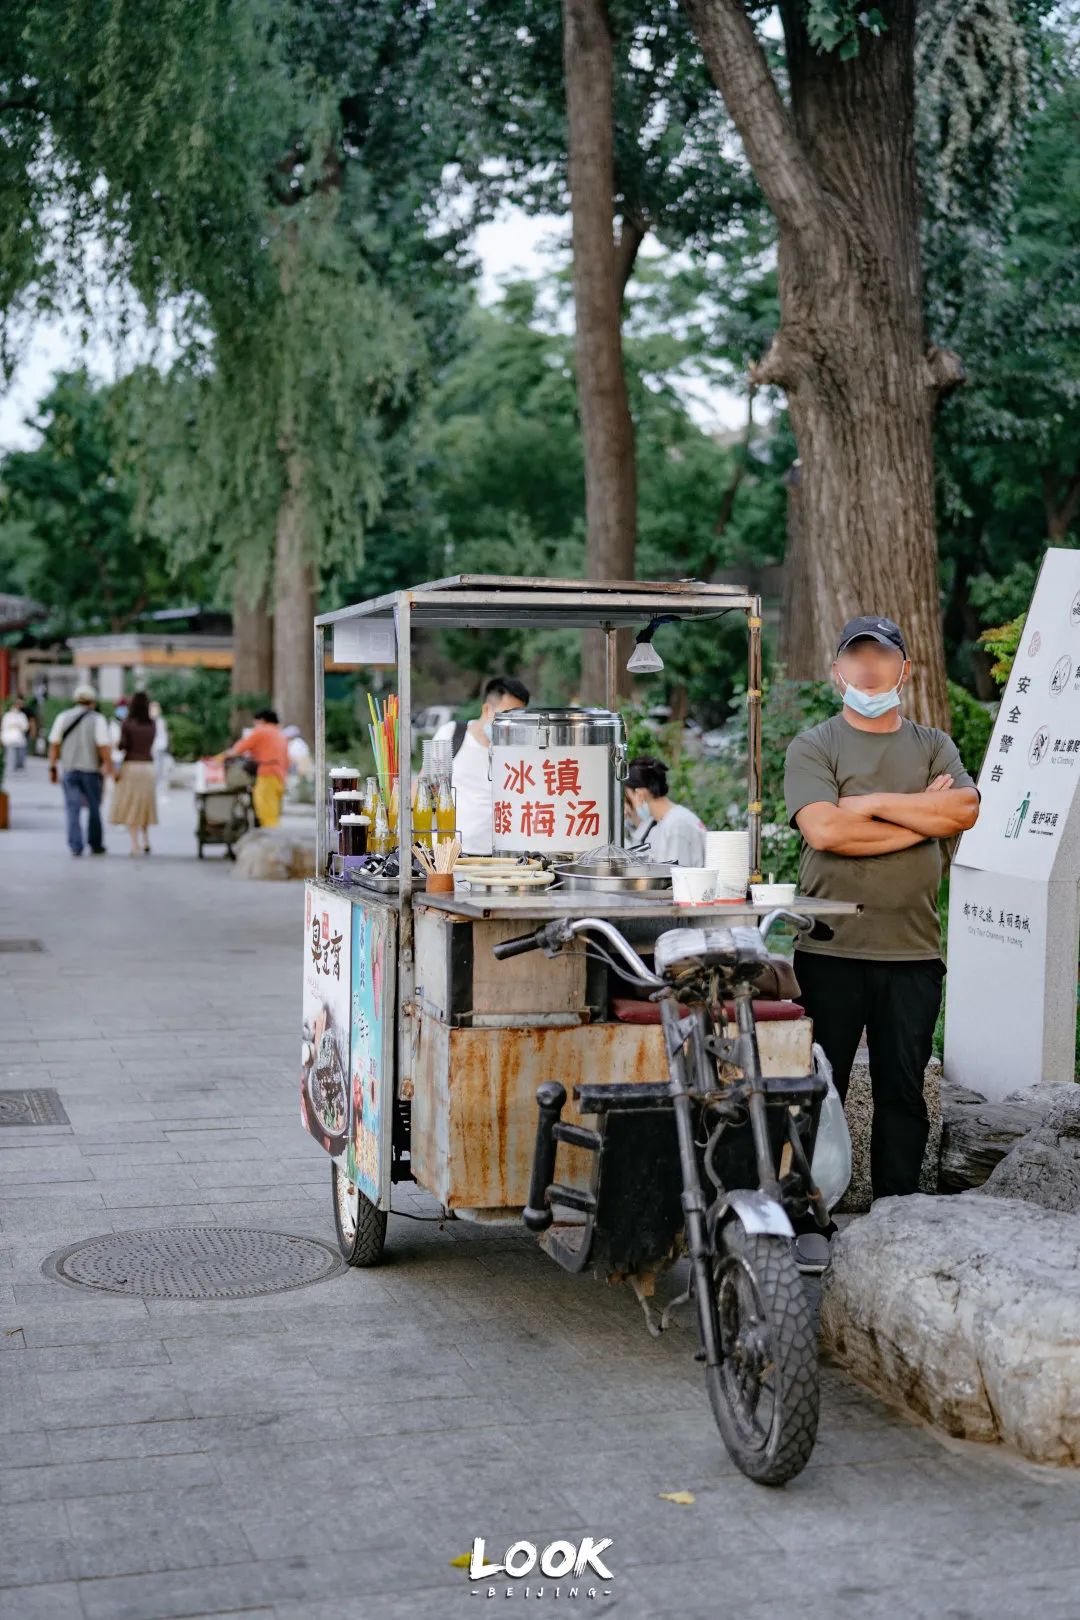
423,1046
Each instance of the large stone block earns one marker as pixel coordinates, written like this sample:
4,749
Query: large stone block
977,1134
1044,1165
966,1310
276,853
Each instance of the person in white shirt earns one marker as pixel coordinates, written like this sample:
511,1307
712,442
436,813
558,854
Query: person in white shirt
469,774
159,752
671,831
300,761
14,730
79,745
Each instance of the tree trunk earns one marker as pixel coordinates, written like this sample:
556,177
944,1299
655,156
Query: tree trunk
797,652
294,608
253,646
838,169
1061,499
599,277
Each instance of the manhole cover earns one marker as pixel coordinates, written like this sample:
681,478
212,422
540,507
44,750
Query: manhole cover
195,1262
21,945
32,1108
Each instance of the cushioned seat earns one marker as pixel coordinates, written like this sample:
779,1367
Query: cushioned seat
627,1011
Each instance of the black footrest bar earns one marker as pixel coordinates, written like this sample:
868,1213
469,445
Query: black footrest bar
571,1198
579,1136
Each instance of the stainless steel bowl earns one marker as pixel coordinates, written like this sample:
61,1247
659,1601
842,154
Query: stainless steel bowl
616,877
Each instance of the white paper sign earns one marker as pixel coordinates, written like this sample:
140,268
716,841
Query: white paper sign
1010,1018
554,799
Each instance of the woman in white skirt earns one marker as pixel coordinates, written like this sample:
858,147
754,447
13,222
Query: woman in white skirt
134,803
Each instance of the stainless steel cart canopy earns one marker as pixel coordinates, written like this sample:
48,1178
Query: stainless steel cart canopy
378,633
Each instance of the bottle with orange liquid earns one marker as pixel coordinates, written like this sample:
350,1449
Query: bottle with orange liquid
423,813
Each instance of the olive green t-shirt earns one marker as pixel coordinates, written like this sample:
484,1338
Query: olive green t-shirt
898,892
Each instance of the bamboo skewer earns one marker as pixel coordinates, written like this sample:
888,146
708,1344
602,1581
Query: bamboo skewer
446,856
425,859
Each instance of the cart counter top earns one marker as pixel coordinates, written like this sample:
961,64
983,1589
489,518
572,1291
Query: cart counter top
552,904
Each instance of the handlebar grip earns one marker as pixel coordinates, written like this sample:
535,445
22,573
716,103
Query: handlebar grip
517,947
821,930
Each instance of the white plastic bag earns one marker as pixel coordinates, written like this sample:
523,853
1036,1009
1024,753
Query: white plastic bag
831,1164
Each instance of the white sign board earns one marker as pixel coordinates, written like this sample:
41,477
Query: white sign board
554,799
324,1045
1013,918
365,641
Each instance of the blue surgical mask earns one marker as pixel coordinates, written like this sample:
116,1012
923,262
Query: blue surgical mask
871,705
644,814
486,724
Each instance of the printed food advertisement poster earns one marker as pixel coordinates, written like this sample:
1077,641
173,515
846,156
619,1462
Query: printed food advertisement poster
367,1159
324,1062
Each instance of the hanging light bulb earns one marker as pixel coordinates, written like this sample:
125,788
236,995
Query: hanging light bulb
645,660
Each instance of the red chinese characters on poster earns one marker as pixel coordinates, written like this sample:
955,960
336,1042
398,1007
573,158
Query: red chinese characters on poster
551,798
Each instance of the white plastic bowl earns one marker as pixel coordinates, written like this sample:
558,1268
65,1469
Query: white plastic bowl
772,894
692,885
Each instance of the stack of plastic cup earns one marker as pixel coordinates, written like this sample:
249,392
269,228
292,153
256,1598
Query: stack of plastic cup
728,855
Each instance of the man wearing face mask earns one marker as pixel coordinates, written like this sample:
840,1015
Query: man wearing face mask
872,793
469,773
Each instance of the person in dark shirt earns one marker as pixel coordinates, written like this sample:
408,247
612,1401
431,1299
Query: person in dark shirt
134,804
872,794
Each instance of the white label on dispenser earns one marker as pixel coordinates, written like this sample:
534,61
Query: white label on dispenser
553,799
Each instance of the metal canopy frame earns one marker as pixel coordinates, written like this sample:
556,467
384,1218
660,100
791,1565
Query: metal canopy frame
497,601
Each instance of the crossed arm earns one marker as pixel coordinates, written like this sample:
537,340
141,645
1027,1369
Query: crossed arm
879,823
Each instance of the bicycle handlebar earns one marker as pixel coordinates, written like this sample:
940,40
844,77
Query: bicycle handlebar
554,935
518,947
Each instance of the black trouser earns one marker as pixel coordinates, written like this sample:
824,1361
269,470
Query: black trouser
897,1004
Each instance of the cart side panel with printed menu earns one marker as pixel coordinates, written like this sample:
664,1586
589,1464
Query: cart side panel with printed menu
324,1064
374,999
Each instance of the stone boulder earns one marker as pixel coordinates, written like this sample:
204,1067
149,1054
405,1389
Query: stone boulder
1044,1165
858,1107
276,853
977,1134
965,1310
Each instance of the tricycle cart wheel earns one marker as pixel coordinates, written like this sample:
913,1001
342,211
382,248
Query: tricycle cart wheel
764,1393
361,1226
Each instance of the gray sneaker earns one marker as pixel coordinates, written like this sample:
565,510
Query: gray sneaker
811,1251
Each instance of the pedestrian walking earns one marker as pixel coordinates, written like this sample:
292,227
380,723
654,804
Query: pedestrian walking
268,746
134,802
160,750
872,793
79,746
14,731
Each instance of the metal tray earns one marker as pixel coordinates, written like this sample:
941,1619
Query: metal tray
506,885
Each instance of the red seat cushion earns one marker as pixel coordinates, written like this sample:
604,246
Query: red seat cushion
648,1012
769,1012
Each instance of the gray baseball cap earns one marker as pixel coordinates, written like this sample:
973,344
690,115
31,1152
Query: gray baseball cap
883,630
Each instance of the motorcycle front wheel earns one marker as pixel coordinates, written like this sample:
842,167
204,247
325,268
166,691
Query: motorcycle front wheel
765,1392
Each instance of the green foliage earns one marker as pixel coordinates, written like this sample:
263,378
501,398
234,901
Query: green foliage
70,535
834,25
970,725
1001,641
199,708
1004,293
